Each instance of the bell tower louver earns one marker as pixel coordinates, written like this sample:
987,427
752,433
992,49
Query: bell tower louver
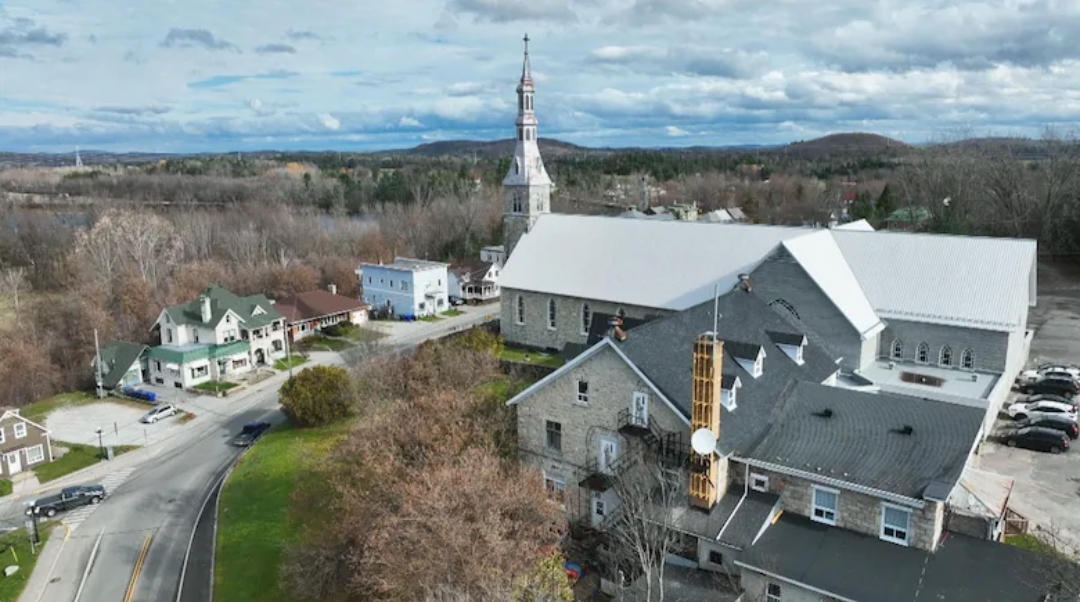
526,185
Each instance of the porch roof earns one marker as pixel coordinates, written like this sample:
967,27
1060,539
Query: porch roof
182,354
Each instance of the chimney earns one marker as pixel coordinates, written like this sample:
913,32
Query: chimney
333,289
744,282
615,330
204,303
705,481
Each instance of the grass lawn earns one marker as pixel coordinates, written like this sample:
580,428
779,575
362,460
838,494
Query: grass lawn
1030,542
5,487
317,342
79,456
294,361
364,335
254,524
453,311
522,356
215,386
39,410
15,549
430,319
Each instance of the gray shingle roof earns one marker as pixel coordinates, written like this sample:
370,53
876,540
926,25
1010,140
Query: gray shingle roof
787,338
860,442
662,350
862,567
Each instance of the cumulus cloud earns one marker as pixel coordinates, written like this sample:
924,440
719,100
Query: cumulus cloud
329,121
409,122
507,11
275,49
675,131
679,58
188,38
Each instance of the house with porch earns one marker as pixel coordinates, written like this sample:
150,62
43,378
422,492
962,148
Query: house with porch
309,312
406,287
475,282
218,334
24,443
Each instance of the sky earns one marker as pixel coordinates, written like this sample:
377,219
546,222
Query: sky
234,75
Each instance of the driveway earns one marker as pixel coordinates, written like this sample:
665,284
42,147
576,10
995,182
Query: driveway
1047,488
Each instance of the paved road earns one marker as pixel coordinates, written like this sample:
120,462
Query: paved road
154,503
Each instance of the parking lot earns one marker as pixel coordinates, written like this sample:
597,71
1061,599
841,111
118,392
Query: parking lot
1047,488
119,423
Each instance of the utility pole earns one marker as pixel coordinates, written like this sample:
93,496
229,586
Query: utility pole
288,350
97,372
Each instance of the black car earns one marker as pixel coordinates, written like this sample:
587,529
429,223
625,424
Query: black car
1058,423
1053,386
250,433
1038,438
68,498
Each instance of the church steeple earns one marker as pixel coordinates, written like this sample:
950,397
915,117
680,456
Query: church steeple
527,185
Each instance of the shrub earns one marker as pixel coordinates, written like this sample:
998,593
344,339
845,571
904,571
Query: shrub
318,395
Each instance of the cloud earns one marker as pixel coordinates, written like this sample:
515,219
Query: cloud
679,59
507,11
675,131
23,32
275,48
189,38
298,36
136,111
409,122
329,121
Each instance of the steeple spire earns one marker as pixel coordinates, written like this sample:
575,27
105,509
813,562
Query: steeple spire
526,73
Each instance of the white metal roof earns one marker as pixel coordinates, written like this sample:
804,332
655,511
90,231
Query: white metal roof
819,255
860,225
649,263
970,281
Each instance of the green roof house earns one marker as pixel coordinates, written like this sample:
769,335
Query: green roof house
219,333
122,364
907,218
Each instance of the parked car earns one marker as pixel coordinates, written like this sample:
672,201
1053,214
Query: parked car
162,411
456,301
1072,370
1051,397
1053,386
1038,409
1037,438
68,498
1058,423
1044,371
251,433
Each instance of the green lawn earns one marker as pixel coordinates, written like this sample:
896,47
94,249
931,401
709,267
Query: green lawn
453,311
430,319
317,342
1030,542
522,356
283,363
5,487
215,386
39,410
78,457
15,549
364,335
254,524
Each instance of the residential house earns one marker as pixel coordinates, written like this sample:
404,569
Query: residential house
309,312
406,287
493,254
23,443
213,336
475,282
797,456
123,364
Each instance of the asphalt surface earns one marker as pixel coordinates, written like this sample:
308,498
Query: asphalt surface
162,498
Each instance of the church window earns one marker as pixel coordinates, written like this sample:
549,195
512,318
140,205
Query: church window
517,166
586,319
520,307
551,314
518,204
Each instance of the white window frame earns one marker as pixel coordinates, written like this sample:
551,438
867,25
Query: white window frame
759,482
3,436
729,397
519,310
579,397
758,368
942,358
922,353
19,426
967,359
40,448
586,318
552,314
769,595
896,351
557,489
814,507
907,531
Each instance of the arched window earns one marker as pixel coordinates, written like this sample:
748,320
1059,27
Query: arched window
621,313
518,204
967,359
783,304
551,314
586,318
517,166
519,304
945,356
897,352
923,355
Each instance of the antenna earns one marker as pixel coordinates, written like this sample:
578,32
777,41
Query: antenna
715,310
703,442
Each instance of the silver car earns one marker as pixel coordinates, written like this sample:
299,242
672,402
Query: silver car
162,411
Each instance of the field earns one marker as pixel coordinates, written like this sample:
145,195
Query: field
15,549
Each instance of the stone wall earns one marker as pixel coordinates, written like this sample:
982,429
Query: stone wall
856,511
536,331
990,347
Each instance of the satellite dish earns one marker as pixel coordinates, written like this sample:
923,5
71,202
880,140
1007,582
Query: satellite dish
703,441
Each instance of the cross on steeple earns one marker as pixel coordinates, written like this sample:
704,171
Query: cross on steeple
526,38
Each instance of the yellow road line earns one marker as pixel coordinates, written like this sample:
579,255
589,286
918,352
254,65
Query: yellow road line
138,568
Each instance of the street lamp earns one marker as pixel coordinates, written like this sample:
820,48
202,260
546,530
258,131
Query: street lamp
101,444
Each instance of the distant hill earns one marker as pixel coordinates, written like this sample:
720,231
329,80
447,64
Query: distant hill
854,143
493,149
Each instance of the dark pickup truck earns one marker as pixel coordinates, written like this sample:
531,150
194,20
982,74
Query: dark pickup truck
68,498
250,433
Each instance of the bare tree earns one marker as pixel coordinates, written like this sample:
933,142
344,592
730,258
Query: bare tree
13,280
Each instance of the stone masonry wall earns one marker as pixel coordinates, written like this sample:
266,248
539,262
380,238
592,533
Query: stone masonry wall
856,511
535,332
990,347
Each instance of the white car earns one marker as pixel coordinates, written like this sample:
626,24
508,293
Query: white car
162,411
1048,371
1040,409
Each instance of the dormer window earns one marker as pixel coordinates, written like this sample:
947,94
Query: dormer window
729,390
758,365
750,357
791,344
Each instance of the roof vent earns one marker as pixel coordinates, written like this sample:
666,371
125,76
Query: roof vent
615,328
906,430
826,413
744,282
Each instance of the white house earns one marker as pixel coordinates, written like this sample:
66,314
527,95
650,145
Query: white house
406,287
494,254
475,282
217,334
